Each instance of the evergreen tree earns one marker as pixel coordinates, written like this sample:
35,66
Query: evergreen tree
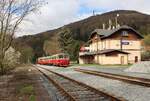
65,40
68,44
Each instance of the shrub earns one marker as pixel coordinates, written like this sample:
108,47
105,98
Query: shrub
145,56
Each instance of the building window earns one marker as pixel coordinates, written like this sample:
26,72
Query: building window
125,33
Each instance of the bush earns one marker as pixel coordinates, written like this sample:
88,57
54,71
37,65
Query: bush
147,40
11,60
145,56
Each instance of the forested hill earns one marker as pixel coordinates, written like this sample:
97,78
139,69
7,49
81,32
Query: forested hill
81,29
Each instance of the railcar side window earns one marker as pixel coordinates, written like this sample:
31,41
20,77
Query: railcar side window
60,56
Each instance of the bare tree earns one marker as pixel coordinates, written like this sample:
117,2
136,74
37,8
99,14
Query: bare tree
12,13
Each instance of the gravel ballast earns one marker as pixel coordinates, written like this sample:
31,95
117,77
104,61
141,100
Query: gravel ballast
140,67
121,89
118,71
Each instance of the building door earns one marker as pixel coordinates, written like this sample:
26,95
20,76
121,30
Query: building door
136,59
122,59
89,59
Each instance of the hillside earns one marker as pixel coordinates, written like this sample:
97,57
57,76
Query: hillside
81,29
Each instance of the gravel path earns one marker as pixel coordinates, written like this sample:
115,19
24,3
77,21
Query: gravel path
129,91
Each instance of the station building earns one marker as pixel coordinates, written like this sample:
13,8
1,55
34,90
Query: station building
121,45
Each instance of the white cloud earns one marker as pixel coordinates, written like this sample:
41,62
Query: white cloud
54,15
60,12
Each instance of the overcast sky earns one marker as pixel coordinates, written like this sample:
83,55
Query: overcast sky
60,12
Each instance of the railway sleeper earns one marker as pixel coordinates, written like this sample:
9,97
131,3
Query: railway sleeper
63,98
75,90
86,96
67,83
93,99
85,92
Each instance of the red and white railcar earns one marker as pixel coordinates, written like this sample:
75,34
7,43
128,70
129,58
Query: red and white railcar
60,59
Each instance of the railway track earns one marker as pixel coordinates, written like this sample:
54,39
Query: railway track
72,90
132,80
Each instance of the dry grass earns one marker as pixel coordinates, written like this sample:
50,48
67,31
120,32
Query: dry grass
22,85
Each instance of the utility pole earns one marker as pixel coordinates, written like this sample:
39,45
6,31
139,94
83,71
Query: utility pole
116,19
93,13
110,24
103,25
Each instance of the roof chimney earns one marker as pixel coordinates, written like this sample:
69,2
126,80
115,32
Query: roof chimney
110,25
103,25
116,18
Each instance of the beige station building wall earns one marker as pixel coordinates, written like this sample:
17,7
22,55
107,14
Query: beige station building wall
112,60
82,61
114,44
134,48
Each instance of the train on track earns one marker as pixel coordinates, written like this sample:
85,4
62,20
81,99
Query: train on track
60,59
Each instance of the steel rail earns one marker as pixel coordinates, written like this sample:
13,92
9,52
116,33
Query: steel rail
70,97
104,93
129,79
